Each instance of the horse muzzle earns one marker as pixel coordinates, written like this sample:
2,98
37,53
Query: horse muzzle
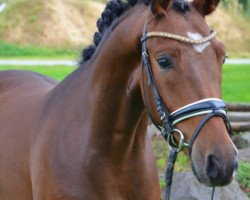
215,169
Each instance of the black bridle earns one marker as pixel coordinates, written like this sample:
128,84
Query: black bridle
208,107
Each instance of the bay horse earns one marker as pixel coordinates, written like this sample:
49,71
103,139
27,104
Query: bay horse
85,137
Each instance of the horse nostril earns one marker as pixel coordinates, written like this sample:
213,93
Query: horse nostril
213,167
220,171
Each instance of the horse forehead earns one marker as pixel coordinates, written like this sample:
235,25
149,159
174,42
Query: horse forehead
198,47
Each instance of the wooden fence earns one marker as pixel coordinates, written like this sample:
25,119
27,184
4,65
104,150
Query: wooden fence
239,116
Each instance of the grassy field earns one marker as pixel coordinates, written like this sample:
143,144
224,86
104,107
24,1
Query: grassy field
236,83
243,176
8,50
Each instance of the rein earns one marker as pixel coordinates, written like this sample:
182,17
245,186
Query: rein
209,107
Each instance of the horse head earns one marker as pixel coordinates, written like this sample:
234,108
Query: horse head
182,76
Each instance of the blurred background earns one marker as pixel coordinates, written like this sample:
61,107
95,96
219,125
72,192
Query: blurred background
35,34
69,24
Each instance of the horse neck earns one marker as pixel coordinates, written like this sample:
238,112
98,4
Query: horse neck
106,90
117,104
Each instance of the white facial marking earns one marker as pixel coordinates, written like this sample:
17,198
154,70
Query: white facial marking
198,47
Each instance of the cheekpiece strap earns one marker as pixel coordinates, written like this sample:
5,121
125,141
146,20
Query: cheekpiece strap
161,109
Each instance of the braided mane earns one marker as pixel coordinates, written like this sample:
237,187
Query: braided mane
113,10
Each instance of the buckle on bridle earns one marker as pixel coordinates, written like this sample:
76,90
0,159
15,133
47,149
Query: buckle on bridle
173,144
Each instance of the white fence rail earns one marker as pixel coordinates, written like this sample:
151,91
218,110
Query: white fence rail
74,62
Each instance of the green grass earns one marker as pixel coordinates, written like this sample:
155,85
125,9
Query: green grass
56,72
8,50
236,83
243,176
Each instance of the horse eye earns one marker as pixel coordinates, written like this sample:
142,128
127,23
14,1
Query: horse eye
165,62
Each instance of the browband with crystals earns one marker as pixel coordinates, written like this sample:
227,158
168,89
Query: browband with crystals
181,38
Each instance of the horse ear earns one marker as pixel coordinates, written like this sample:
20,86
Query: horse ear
205,7
159,6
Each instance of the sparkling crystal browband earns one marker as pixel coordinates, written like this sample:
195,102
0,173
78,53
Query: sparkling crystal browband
182,38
